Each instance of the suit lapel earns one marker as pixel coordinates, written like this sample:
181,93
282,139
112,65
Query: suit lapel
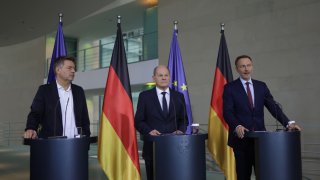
56,107
156,101
257,91
76,102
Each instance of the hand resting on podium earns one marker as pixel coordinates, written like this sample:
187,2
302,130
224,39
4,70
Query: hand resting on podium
157,133
154,133
240,130
30,134
293,127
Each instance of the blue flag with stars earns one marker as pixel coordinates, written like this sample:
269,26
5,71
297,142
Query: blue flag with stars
178,80
58,50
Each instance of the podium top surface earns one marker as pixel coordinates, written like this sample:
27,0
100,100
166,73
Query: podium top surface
259,134
92,139
170,135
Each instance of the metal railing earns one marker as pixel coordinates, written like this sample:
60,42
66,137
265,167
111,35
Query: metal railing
11,133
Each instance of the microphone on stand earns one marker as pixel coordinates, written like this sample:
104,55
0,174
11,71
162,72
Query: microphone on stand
55,122
277,105
175,114
65,118
184,115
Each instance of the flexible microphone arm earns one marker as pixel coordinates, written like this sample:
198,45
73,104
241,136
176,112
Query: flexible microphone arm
184,115
282,119
275,104
175,114
65,118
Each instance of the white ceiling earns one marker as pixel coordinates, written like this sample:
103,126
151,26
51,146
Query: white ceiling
28,19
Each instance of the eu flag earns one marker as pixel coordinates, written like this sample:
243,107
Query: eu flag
58,50
178,80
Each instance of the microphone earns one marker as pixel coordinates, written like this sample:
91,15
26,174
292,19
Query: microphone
184,114
55,122
65,118
277,105
175,114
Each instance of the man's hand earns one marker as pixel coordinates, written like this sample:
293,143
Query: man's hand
30,134
154,133
177,132
293,127
240,130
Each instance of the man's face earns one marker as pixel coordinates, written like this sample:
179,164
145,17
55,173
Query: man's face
162,77
244,68
66,72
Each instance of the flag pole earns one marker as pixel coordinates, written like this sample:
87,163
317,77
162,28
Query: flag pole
222,26
175,26
60,17
175,23
119,19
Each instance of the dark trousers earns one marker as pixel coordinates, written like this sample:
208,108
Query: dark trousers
245,160
149,169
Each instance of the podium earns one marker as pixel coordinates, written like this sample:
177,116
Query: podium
179,156
277,155
59,158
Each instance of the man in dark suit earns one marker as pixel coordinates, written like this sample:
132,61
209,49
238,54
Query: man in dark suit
243,109
159,111
59,108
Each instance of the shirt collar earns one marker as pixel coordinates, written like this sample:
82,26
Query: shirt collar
244,81
61,88
159,91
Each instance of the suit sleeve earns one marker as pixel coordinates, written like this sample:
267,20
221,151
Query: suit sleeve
274,107
37,110
228,108
140,119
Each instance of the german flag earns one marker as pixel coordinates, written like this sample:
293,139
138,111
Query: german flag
117,151
218,128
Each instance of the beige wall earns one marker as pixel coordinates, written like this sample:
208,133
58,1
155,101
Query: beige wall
21,71
283,38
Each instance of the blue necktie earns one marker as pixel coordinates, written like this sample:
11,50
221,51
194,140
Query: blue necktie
164,104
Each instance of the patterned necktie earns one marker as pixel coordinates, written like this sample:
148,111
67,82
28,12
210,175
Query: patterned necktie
249,95
164,104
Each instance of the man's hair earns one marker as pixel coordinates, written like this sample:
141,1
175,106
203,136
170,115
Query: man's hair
155,69
60,61
240,57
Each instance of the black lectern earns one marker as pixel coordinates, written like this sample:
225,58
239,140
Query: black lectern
179,156
59,158
277,155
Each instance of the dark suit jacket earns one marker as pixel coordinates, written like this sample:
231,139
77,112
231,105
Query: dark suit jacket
46,111
149,116
237,110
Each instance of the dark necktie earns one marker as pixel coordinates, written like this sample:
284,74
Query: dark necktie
164,104
249,95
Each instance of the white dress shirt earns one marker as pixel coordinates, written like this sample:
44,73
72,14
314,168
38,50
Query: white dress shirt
250,86
159,91
67,112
